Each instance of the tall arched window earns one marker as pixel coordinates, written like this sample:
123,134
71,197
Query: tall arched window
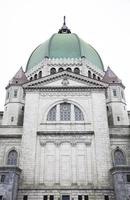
12,158
35,76
40,74
65,112
52,71
94,76
89,74
119,158
76,70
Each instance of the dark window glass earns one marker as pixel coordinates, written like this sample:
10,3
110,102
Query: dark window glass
94,76
12,158
76,70
86,197
2,180
60,69
52,71
45,197
114,93
40,74
128,178
79,197
12,119
106,197
35,76
99,78
119,158
89,74
1,197
31,78
118,118
51,197
7,97
15,93
69,69
25,197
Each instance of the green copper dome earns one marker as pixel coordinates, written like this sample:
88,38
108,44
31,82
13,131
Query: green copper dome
65,45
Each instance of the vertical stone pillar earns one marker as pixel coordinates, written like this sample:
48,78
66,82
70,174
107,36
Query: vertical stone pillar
57,163
74,178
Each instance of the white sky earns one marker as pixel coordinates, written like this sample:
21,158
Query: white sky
24,24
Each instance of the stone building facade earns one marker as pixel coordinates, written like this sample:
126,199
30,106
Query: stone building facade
65,129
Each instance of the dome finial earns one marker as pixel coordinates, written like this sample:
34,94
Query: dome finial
64,24
64,28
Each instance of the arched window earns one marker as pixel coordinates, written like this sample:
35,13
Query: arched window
52,114
31,78
35,76
119,158
69,69
94,76
76,70
53,71
12,158
60,69
65,112
89,74
99,78
40,74
78,114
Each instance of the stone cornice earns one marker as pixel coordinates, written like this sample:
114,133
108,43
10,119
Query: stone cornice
7,136
10,168
116,136
65,133
118,169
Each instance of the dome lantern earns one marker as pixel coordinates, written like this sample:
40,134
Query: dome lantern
64,28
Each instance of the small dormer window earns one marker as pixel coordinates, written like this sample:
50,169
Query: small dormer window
15,93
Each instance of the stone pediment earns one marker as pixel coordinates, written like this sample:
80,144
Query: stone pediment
65,79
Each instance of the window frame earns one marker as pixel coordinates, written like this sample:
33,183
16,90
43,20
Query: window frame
72,118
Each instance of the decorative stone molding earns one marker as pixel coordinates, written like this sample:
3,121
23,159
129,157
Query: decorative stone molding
73,140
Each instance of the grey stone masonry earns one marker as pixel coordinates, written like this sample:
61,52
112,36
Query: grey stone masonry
9,178
121,180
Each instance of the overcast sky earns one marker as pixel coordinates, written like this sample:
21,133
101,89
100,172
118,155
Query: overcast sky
24,24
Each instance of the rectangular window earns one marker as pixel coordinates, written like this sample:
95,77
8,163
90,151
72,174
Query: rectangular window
128,178
45,197
106,197
79,197
1,197
15,93
2,180
86,197
7,95
25,197
114,93
51,197
118,118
